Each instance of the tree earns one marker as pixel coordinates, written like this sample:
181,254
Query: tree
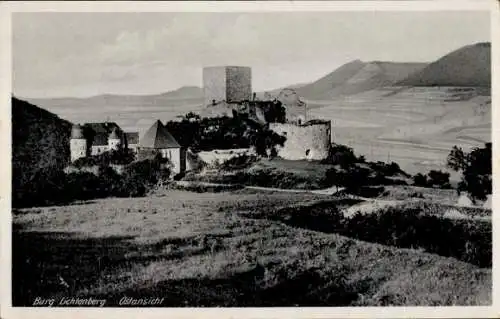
457,160
420,180
476,168
439,179
341,155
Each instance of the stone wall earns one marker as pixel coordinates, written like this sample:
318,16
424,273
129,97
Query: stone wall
227,83
310,141
214,84
238,83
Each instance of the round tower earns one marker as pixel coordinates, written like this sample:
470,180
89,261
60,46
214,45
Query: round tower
77,143
114,141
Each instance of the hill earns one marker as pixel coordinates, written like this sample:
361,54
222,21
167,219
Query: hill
183,94
40,141
468,66
356,77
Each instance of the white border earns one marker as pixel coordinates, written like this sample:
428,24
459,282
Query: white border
7,8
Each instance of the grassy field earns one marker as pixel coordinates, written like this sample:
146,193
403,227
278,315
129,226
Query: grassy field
220,249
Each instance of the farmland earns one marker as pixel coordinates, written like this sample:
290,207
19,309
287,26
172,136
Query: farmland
237,248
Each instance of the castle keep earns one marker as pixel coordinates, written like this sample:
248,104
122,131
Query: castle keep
227,84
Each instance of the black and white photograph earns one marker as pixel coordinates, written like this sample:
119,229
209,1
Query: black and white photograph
251,158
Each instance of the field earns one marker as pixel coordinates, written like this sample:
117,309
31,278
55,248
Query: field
239,248
415,127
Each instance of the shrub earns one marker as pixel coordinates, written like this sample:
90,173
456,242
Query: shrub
438,179
352,178
420,180
414,226
238,162
341,155
121,157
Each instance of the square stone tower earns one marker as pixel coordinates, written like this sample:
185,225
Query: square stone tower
227,83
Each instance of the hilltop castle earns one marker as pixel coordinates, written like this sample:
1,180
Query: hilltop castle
230,87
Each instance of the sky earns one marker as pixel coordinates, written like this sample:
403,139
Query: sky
84,54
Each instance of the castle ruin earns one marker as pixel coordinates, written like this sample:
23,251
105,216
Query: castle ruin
231,86
227,84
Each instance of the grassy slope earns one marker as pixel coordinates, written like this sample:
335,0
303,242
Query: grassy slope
357,77
415,127
467,66
40,139
196,249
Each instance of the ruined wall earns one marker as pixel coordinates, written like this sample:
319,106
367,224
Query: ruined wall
227,83
310,141
214,84
238,83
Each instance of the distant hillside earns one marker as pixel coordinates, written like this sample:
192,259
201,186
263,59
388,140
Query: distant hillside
467,66
186,94
40,140
356,77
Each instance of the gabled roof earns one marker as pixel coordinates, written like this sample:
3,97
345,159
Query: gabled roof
132,137
100,139
114,134
157,136
103,127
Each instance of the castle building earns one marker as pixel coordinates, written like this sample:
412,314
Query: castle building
227,84
306,141
93,139
157,140
77,143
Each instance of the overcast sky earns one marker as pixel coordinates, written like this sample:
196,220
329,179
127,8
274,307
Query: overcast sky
85,54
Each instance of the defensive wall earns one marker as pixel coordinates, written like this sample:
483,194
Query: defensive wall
308,141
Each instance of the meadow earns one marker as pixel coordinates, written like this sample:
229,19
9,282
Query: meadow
244,248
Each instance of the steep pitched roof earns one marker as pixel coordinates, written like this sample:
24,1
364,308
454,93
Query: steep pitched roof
158,137
114,134
103,127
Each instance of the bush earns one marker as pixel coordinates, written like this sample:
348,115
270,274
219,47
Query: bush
341,155
238,162
352,178
438,179
122,157
52,186
420,180
414,227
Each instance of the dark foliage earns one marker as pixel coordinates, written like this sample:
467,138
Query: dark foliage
466,240
476,168
238,162
54,187
391,169
207,134
40,150
342,155
438,179
420,180
120,157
